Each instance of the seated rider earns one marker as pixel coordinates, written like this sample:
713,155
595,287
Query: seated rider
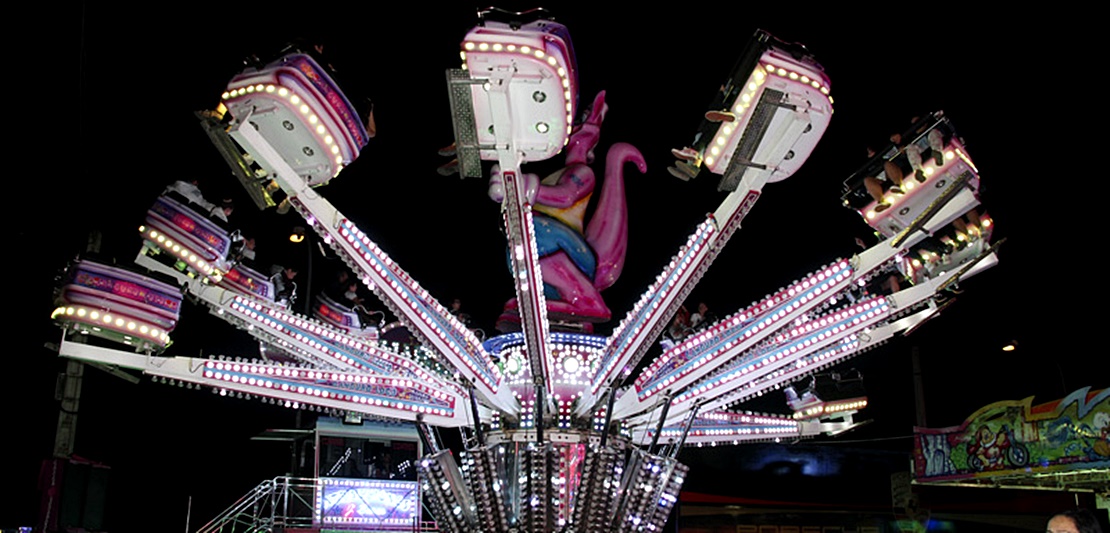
285,289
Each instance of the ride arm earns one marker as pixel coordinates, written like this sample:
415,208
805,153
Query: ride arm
819,343
427,319
649,317
385,396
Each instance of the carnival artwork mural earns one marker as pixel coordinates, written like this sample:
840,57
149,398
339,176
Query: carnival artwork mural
1018,438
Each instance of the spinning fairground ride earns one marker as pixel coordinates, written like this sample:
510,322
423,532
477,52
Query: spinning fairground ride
566,429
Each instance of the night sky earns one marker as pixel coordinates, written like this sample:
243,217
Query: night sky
115,92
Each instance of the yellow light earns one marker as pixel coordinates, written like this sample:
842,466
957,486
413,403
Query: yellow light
715,150
320,129
328,139
497,47
69,311
709,161
120,322
81,313
143,329
259,87
249,89
525,49
161,239
551,60
510,47
335,148
805,79
870,215
462,55
305,109
793,75
270,88
929,171
909,185
225,95
107,319
916,263
338,160
746,97
825,91
1010,347
312,119
483,47
468,46
539,54
781,71
949,155
192,258
720,140
283,91
295,99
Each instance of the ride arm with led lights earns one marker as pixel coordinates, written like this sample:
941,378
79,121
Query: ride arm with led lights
779,130
716,347
827,340
649,316
518,106
386,396
316,343
730,428
426,318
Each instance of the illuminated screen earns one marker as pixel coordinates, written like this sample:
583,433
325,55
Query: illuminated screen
357,457
366,503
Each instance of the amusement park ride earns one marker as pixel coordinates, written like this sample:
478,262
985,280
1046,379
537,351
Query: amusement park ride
566,429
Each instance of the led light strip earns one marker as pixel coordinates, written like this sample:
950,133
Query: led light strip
177,249
269,377
94,317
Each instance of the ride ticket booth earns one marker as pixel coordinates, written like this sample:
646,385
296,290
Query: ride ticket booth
366,475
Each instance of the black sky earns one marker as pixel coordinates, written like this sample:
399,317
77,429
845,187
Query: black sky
114,90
